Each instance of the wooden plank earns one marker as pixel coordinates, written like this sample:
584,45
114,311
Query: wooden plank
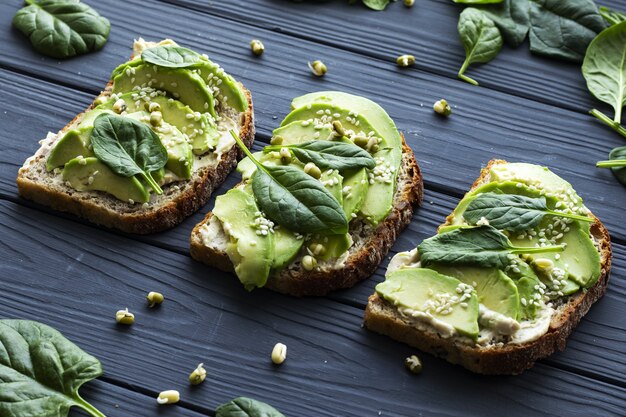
64,274
485,124
114,400
428,31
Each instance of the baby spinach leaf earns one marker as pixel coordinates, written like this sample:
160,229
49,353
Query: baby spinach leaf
246,407
41,371
170,56
511,17
604,68
294,199
330,155
481,246
512,212
480,37
376,4
563,29
617,163
128,147
62,28
611,16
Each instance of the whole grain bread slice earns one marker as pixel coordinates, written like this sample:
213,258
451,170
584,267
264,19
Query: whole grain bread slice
507,359
370,246
178,201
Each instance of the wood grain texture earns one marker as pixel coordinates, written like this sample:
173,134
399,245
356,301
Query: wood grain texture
334,367
428,31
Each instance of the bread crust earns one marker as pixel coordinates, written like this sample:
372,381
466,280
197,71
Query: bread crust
183,198
509,359
296,281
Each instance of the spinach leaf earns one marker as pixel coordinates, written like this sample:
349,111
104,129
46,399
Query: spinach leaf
41,371
481,246
563,29
480,37
611,16
246,407
294,199
170,56
512,212
62,28
604,68
128,147
376,4
511,17
617,163
608,121
329,155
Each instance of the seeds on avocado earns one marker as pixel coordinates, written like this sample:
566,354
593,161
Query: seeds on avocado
285,156
152,106
405,60
119,106
309,262
276,140
318,68
313,170
338,127
544,264
413,364
198,375
409,3
361,141
317,249
156,118
257,47
279,353
125,317
442,107
168,397
154,298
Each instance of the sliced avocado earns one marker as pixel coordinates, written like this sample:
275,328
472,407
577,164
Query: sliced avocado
286,246
67,148
333,182
417,288
495,290
529,288
181,84
224,87
536,176
251,253
580,258
299,131
334,245
89,174
199,127
355,186
179,154
321,109
375,114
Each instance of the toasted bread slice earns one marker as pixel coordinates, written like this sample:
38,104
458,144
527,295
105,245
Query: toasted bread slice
496,359
178,201
370,246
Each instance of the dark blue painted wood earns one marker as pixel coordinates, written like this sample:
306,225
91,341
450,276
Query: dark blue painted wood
64,274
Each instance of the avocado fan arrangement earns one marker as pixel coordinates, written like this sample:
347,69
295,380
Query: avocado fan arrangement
506,279
152,146
319,207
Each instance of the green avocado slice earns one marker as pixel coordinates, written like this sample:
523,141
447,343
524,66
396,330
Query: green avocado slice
251,253
181,84
420,288
89,174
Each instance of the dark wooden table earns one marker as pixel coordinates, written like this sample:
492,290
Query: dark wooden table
74,276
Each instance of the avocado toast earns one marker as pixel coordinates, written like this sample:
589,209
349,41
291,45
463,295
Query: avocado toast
358,184
166,114
509,276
